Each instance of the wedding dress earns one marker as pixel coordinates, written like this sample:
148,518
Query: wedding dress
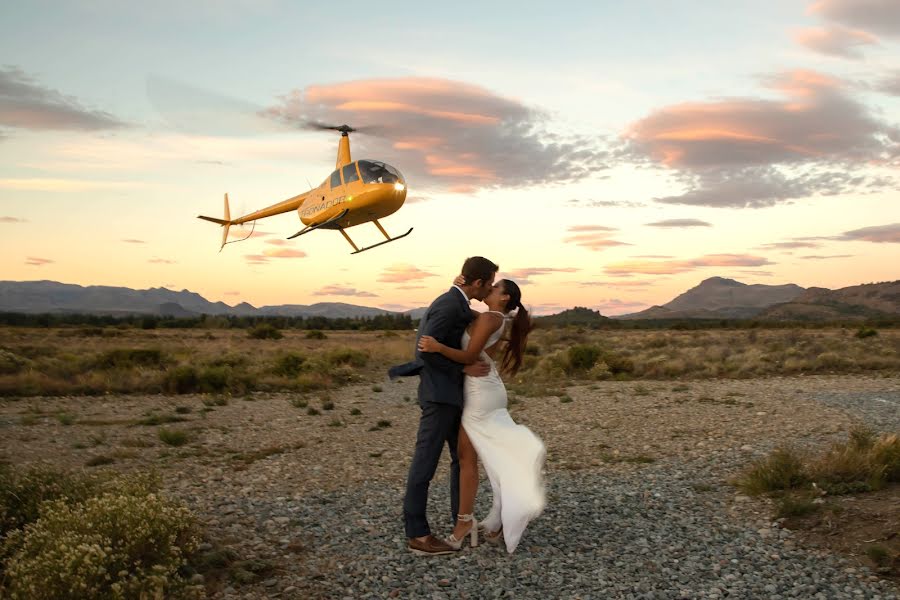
511,454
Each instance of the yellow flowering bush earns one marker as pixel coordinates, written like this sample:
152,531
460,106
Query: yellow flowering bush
125,541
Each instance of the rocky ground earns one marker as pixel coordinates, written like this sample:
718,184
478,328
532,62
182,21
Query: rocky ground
639,504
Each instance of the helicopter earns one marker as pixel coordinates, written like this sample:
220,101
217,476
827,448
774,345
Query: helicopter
356,192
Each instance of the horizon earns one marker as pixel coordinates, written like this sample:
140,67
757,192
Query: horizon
609,169
476,304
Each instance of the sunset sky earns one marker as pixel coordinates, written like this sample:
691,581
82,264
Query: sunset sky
605,154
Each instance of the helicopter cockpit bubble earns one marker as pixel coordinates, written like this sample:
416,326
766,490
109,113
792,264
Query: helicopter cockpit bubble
373,171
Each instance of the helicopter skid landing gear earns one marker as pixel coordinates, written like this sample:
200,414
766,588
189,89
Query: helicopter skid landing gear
388,239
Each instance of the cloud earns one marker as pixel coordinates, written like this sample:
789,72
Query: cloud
12,220
826,257
578,203
26,104
890,84
789,245
278,242
668,267
162,261
879,16
270,253
132,241
337,290
583,228
679,223
232,293
523,276
835,41
403,274
880,234
593,241
616,284
37,262
283,253
448,134
752,152
410,287
246,232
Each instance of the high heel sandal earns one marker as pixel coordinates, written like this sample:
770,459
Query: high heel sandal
493,537
456,544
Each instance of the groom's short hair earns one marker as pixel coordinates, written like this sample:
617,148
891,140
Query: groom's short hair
478,267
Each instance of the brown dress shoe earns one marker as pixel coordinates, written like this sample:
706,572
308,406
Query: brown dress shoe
430,546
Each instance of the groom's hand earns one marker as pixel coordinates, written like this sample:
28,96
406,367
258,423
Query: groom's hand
479,369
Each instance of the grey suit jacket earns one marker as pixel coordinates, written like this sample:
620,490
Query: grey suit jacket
441,379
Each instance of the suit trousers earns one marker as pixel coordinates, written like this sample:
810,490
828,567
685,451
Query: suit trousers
439,423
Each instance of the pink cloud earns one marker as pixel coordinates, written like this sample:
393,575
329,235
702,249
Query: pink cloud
161,261
835,41
403,274
337,290
880,16
132,241
669,267
471,132
283,253
12,220
34,261
880,234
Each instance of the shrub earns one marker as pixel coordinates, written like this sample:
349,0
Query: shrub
99,460
124,358
111,546
865,332
781,470
289,364
582,357
10,363
355,411
315,334
795,506
23,491
347,356
181,380
173,437
265,331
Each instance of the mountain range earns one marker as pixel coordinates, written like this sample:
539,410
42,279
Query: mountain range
713,298
720,298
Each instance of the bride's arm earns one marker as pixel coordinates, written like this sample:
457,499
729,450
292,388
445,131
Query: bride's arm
485,324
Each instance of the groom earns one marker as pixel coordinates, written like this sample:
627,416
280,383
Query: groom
441,400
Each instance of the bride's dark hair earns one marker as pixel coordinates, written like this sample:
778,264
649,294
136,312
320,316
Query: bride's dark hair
521,327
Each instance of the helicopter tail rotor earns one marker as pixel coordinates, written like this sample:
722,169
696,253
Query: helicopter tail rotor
226,222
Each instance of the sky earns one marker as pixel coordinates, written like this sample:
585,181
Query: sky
605,154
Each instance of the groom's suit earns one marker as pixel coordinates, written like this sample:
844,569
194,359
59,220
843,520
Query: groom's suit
441,401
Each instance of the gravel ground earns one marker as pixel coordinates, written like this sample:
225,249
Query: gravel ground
319,497
880,410
663,531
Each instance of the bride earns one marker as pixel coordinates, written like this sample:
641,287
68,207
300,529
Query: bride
511,454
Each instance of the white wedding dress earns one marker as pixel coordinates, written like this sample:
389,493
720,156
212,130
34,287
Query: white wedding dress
511,454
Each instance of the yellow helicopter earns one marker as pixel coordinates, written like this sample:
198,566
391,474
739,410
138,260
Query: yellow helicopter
356,192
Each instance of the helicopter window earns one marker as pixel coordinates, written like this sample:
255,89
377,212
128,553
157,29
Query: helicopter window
374,171
335,179
350,173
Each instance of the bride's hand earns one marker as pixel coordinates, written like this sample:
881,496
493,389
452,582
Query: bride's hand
460,280
429,344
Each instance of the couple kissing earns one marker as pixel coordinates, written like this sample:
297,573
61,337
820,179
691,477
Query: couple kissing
460,355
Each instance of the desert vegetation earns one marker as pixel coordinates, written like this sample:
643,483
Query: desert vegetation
79,361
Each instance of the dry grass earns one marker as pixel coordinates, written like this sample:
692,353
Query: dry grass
865,462
41,362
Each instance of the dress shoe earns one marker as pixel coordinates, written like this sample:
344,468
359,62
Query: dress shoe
429,546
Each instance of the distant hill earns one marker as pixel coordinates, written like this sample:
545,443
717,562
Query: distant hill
579,316
54,297
721,298
871,300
